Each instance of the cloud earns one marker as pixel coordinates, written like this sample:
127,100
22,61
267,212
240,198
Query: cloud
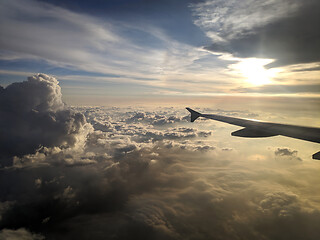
33,116
145,127
234,113
282,88
91,52
77,42
157,118
287,154
151,191
19,234
134,179
279,203
280,30
171,198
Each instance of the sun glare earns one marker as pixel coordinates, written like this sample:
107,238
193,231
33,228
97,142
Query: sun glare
254,71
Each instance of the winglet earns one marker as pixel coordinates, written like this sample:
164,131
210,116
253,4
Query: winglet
194,114
316,156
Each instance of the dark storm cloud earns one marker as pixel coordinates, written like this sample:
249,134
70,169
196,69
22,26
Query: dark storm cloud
291,39
33,115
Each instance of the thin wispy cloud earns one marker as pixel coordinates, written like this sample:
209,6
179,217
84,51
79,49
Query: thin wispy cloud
78,41
279,30
144,52
232,19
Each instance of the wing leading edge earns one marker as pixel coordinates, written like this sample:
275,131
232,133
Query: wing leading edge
256,129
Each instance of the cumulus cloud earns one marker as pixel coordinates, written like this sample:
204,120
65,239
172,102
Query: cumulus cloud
33,115
164,118
131,196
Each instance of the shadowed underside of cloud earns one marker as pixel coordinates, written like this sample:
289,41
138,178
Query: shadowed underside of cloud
154,193
33,115
133,178
289,38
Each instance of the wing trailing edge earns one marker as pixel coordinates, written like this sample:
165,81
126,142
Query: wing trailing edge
252,133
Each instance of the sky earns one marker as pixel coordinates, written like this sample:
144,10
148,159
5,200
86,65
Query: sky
95,140
149,49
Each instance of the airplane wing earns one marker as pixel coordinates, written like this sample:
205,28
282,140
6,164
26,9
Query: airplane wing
255,129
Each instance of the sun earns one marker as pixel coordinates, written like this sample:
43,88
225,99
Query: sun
254,71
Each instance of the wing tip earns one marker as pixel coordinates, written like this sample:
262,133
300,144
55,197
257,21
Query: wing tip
194,114
316,156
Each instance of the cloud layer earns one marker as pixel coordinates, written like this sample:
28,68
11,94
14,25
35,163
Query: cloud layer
144,174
